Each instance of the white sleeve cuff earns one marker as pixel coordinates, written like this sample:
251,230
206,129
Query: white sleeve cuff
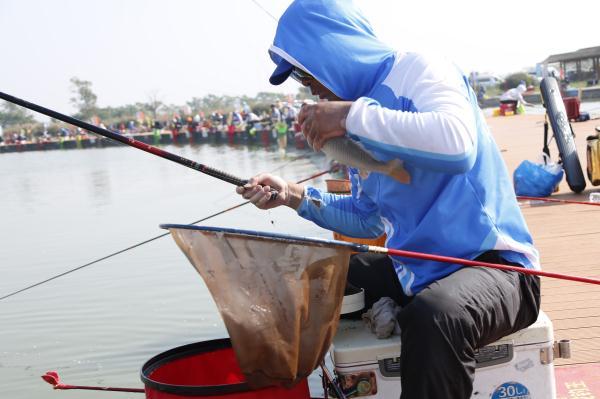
355,120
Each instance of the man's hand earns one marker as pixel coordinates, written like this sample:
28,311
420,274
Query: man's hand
258,191
323,121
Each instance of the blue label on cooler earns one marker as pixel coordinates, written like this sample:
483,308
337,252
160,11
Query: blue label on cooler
511,390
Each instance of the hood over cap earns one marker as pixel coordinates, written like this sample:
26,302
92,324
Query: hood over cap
334,42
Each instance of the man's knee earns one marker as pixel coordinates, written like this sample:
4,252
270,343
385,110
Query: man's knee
430,318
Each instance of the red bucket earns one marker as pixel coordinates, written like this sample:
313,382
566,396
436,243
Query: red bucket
206,370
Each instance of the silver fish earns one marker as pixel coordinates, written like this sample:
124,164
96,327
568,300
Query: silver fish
348,152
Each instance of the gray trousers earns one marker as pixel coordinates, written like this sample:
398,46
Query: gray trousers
445,323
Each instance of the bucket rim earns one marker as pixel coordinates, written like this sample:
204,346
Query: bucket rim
322,242
189,390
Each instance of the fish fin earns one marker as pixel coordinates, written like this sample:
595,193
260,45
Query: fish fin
395,169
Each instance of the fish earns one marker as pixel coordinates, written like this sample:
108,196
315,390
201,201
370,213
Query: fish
346,151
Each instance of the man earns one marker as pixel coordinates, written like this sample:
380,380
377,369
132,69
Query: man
459,202
514,96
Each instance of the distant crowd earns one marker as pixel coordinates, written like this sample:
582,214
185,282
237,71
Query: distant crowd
280,119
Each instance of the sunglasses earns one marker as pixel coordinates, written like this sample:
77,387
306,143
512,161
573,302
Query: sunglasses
299,75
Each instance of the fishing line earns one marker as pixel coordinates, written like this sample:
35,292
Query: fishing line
149,240
265,10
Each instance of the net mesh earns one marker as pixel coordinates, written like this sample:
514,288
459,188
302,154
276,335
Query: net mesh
280,299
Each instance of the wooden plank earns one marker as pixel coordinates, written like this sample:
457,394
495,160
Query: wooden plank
578,333
584,350
566,306
585,297
573,313
568,290
581,322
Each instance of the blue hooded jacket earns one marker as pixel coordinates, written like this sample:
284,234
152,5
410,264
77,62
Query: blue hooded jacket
420,109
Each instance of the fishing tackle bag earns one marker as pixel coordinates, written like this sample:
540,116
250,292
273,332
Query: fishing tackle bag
593,159
537,179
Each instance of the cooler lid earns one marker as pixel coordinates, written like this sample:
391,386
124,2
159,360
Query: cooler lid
353,301
538,332
355,343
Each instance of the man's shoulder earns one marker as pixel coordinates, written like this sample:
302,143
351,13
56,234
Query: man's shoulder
423,59
411,69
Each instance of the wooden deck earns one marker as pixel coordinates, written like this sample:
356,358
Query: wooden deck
567,236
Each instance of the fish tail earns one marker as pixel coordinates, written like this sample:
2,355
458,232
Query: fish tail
396,170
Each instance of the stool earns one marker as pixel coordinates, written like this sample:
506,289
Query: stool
507,109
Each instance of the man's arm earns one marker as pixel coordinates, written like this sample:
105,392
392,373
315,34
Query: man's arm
342,213
443,140
438,131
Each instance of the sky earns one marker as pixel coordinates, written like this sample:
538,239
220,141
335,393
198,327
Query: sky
179,49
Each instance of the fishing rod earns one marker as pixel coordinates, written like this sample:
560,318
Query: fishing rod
333,169
131,142
472,263
364,248
52,378
562,201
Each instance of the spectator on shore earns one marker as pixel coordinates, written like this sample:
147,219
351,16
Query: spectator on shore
246,108
480,93
289,114
281,127
514,96
275,114
236,119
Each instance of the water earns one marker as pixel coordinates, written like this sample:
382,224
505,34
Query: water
97,326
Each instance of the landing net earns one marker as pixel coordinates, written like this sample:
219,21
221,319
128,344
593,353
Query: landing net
279,296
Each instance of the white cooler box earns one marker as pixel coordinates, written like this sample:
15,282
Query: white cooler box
519,366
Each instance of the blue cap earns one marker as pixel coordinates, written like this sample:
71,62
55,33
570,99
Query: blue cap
281,73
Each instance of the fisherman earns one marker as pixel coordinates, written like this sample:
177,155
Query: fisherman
459,202
514,96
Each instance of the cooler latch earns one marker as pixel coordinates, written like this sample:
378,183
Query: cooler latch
390,367
493,354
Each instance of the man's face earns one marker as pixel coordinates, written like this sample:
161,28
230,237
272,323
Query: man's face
317,89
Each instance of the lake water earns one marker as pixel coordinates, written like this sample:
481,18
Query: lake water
97,326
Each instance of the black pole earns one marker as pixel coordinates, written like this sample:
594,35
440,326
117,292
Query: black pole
130,142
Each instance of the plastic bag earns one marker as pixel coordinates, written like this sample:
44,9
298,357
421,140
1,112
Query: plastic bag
537,179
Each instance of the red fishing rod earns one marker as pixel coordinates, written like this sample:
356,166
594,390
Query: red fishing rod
130,142
562,201
52,378
466,262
